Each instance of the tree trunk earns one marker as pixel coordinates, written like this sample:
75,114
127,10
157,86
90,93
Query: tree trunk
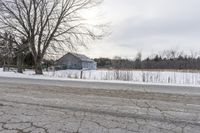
38,67
19,63
8,65
4,64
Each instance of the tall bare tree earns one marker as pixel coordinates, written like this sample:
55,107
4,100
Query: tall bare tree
10,48
6,49
21,52
48,23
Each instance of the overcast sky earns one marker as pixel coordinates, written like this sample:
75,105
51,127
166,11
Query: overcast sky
148,26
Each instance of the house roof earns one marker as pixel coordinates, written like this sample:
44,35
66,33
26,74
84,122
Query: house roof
82,57
79,56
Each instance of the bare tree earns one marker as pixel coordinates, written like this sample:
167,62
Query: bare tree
170,54
21,52
48,24
138,61
10,48
6,49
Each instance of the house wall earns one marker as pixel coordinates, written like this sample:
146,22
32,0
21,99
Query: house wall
70,62
89,65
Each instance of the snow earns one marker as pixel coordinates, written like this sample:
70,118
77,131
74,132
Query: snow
150,77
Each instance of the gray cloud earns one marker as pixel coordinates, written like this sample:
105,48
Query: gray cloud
150,26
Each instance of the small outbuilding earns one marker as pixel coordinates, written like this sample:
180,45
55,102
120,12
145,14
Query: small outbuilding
75,61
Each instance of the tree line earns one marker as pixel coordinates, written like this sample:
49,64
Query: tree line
169,59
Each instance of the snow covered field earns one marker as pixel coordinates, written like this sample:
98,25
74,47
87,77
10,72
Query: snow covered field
161,77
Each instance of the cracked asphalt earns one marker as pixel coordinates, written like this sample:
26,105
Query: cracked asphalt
28,107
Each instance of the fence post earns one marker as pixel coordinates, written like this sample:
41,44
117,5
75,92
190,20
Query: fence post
81,74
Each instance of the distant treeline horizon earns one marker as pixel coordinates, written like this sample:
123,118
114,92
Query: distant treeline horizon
170,59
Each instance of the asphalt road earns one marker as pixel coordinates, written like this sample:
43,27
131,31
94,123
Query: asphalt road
49,106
